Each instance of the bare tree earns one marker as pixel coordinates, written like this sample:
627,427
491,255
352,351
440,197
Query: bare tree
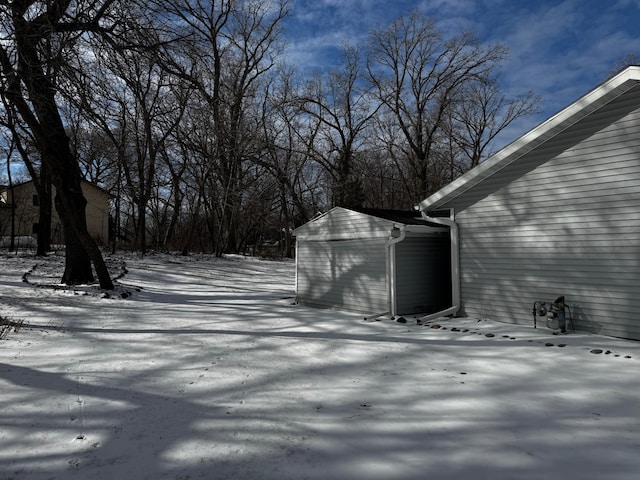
231,47
100,109
418,76
22,141
286,158
341,108
154,112
38,38
482,112
8,148
94,150
175,158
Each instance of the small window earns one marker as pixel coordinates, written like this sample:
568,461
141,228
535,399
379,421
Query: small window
35,228
36,201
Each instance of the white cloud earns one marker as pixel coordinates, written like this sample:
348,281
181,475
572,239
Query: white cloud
559,49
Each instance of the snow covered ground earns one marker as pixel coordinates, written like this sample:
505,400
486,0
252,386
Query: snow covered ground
207,370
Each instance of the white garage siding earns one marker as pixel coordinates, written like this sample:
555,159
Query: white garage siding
343,224
562,220
343,274
372,261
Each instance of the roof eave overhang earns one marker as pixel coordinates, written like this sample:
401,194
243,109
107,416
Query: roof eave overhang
589,103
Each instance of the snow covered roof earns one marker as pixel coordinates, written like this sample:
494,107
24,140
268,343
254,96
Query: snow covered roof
554,126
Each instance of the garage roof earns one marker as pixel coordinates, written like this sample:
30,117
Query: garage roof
404,217
350,223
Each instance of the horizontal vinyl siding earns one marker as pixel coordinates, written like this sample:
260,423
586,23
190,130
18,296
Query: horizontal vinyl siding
566,226
97,212
345,274
597,136
423,280
341,223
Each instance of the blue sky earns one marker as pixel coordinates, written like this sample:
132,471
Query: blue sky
559,49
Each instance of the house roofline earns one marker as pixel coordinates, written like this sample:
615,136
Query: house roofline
550,128
26,182
403,218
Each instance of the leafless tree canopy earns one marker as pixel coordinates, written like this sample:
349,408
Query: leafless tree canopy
187,113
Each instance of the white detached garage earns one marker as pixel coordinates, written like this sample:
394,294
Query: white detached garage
373,262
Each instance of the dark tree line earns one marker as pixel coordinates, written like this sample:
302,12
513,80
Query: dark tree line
187,113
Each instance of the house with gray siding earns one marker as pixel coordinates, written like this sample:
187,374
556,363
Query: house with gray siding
373,262
556,212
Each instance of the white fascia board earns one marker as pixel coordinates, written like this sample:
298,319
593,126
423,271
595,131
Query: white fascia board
352,235
359,234
422,229
304,226
534,138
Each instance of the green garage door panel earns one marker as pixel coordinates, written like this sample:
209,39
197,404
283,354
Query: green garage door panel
343,274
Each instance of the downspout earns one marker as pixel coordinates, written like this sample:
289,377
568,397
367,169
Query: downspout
455,266
295,301
397,236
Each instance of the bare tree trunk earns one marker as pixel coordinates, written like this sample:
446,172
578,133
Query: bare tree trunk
77,262
12,238
39,110
45,210
141,228
80,249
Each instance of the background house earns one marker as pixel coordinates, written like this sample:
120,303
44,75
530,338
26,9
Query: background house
557,212
372,262
24,199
